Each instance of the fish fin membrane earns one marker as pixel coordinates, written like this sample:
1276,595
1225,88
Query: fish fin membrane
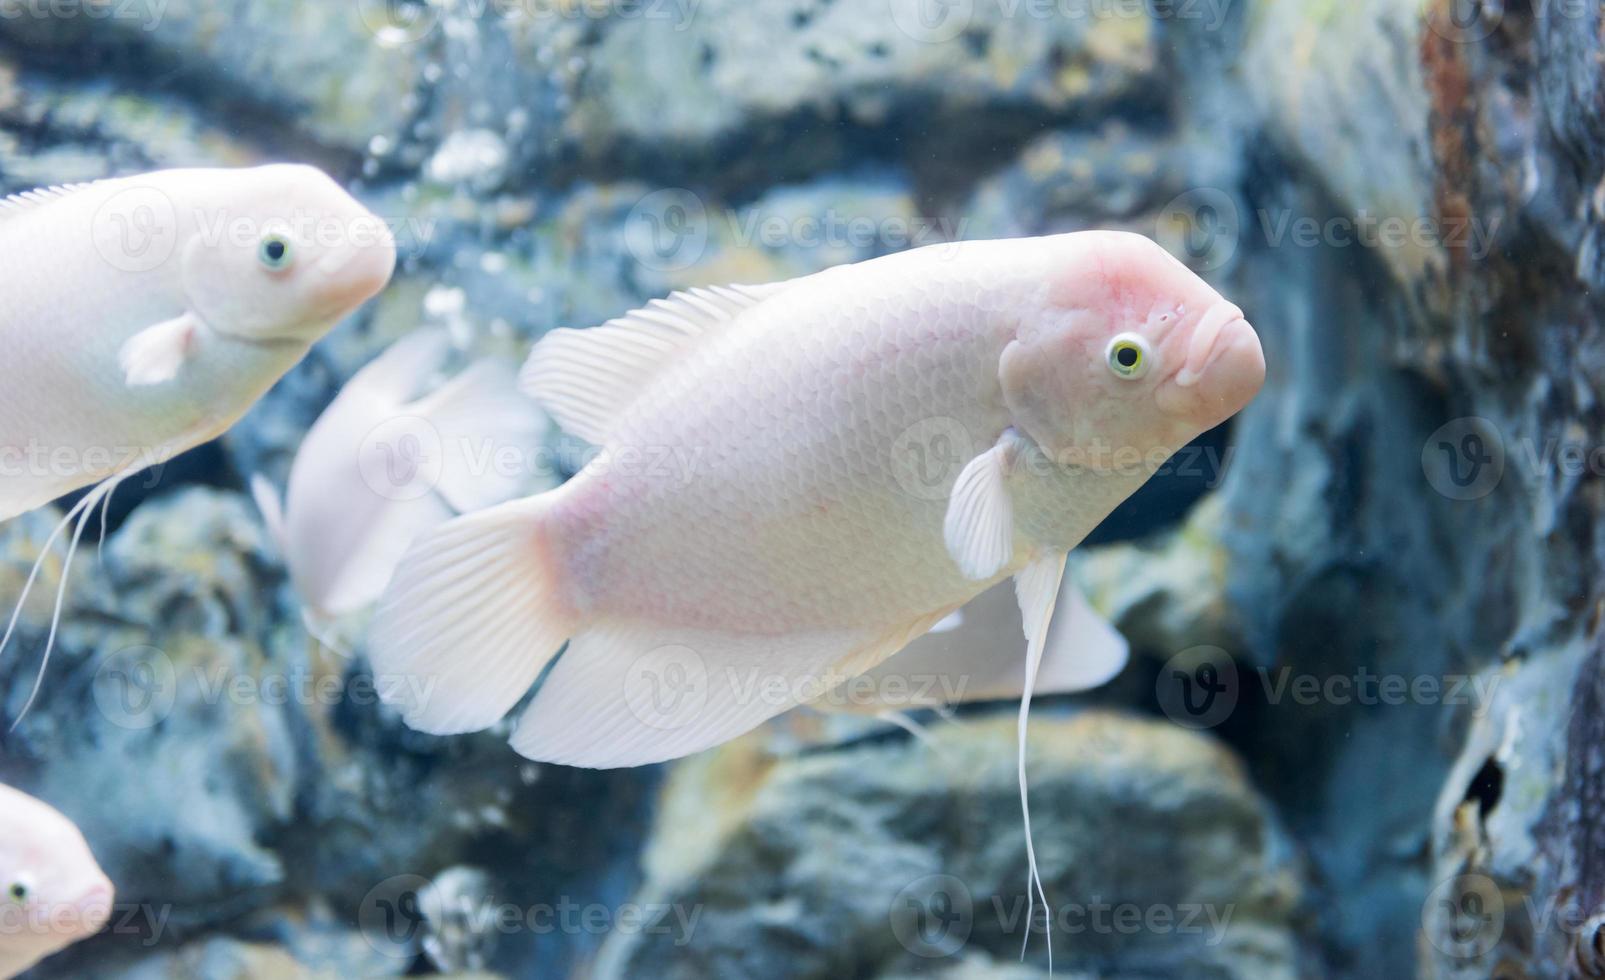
973,661
28,200
473,615
1083,650
631,695
156,354
478,415
979,526
587,378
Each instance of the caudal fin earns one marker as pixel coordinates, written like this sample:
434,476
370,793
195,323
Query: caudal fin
476,610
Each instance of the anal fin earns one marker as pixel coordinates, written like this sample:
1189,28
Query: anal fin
631,695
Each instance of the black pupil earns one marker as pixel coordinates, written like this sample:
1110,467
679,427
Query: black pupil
19,891
1127,356
274,250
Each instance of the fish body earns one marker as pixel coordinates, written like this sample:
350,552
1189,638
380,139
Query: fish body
148,313
393,456
52,893
856,454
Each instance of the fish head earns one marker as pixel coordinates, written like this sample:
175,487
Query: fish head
281,253
1126,354
52,893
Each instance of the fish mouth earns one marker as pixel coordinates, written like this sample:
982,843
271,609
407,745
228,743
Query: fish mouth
355,274
94,908
1212,336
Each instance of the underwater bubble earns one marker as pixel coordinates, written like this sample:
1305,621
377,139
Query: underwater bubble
469,156
445,302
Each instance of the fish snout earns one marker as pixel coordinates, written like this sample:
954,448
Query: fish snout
93,908
359,267
1223,371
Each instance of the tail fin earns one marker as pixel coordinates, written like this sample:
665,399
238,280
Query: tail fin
475,612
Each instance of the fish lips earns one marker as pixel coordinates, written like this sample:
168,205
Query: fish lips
1224,370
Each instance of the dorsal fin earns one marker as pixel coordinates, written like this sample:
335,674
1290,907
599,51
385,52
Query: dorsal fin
27,200
585,378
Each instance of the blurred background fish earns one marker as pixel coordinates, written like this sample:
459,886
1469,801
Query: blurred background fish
399,451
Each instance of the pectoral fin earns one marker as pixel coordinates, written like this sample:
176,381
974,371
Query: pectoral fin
979,529
156,354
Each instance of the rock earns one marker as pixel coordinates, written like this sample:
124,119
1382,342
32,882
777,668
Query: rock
314,72
206,746
879,859
720,88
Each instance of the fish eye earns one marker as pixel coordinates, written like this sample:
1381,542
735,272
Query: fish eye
1128,356
19,889
274,251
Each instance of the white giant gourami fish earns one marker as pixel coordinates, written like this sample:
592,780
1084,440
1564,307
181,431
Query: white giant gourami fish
52,893
812,537
146,314
802,547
